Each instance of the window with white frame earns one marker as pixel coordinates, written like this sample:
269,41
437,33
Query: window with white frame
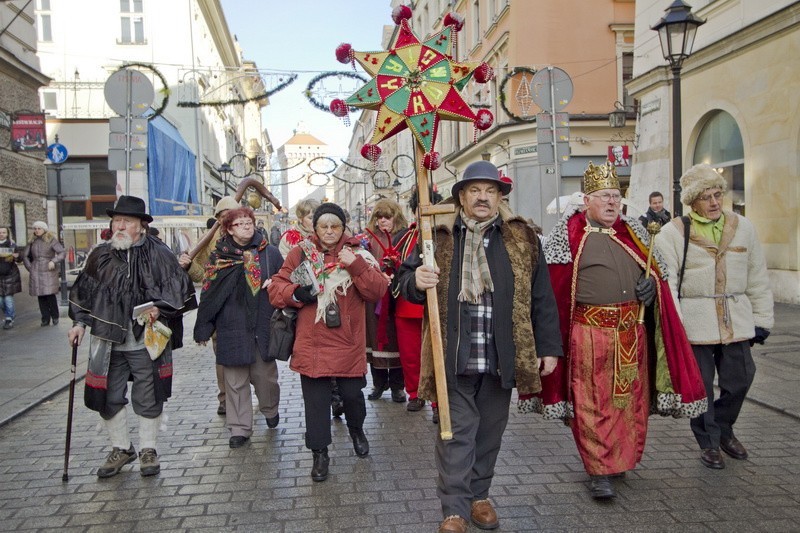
50,101
131,22
476,22
44,19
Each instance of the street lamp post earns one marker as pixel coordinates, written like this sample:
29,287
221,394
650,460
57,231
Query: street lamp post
225,169
676,31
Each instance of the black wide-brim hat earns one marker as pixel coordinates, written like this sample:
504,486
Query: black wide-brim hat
130,206
481,171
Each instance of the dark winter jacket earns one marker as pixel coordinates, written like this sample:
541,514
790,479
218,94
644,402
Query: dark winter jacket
228,306
10,281
523,303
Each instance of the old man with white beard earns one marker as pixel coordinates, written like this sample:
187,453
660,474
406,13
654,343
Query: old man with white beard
132,269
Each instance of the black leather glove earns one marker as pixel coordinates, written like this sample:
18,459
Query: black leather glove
303,294
646,290
761,336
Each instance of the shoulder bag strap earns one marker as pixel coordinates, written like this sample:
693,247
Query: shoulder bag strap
686,225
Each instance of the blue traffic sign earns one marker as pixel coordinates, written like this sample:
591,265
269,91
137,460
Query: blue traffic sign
57,153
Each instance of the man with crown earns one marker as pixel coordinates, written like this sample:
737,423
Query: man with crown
603,387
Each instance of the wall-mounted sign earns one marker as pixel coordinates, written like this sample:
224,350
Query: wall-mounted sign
619,155
28,132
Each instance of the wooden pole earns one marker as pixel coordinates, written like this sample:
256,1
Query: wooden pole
240,190
426,212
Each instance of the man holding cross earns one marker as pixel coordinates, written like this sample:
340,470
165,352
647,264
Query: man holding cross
493,292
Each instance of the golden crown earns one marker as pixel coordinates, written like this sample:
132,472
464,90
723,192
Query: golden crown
599,177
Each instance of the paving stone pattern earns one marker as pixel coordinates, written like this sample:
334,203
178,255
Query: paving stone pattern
539,485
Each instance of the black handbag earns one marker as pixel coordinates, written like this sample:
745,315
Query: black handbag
281,333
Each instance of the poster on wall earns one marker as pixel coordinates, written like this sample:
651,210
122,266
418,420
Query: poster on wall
28,132
619,155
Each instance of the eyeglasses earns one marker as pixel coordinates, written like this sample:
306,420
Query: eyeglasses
606,196
707,197
243,225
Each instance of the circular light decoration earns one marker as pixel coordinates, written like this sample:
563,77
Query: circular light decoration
522,94
317,93
415,84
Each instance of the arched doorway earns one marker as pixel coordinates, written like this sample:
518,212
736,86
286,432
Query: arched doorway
719,144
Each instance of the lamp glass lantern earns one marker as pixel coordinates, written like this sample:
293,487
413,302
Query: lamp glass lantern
676,31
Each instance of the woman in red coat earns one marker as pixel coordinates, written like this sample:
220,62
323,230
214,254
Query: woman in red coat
330,339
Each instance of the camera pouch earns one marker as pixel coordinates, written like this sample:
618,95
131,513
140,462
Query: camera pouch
333,318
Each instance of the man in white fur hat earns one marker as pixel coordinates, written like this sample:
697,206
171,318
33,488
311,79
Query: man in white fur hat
720,281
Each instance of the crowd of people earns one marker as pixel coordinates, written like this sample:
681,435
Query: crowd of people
593,327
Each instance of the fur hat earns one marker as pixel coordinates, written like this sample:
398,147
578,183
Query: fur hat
697,179
40,225
131,206
225,203
329,208
481,171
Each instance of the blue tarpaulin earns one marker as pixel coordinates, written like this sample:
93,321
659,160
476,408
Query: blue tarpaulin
171,173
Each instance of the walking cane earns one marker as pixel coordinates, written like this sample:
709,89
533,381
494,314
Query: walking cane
74,362
652,228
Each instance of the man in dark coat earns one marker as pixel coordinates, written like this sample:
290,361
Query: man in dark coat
656,211
493,291
133,269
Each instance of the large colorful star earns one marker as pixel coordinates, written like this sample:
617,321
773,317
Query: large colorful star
414,85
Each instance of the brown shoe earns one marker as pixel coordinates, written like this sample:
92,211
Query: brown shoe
453,524
483,515
734,448
711,458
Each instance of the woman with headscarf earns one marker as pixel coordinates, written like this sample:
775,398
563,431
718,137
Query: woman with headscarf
386,222
235,305
41,258
330,329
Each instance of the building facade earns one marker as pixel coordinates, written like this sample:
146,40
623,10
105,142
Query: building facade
740,112
23,185
591,42
204,90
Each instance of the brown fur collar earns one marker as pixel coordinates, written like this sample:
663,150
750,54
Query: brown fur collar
522,247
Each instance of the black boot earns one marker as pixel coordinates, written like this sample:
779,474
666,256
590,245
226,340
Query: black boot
319,472
360,442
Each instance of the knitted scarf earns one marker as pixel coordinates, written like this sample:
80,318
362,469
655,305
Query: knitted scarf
475,275
233,271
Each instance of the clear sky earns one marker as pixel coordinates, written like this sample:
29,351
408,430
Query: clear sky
301,36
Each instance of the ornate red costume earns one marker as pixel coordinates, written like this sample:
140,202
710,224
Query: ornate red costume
602,388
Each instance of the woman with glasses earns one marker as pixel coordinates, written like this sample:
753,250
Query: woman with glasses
386,222
330,335
235,304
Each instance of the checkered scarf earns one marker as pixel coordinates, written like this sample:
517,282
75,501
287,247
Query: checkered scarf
475,275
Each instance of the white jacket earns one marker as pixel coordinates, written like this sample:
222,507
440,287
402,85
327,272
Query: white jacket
725,292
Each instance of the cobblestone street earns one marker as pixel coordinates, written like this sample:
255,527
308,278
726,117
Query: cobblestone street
540,483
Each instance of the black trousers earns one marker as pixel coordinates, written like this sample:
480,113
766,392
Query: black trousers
383,378
48,307
317,393
734,365
479,414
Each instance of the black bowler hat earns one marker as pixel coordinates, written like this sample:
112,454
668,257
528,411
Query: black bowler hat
130,206
481,171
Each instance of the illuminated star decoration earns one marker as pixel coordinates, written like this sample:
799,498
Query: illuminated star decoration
416,84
